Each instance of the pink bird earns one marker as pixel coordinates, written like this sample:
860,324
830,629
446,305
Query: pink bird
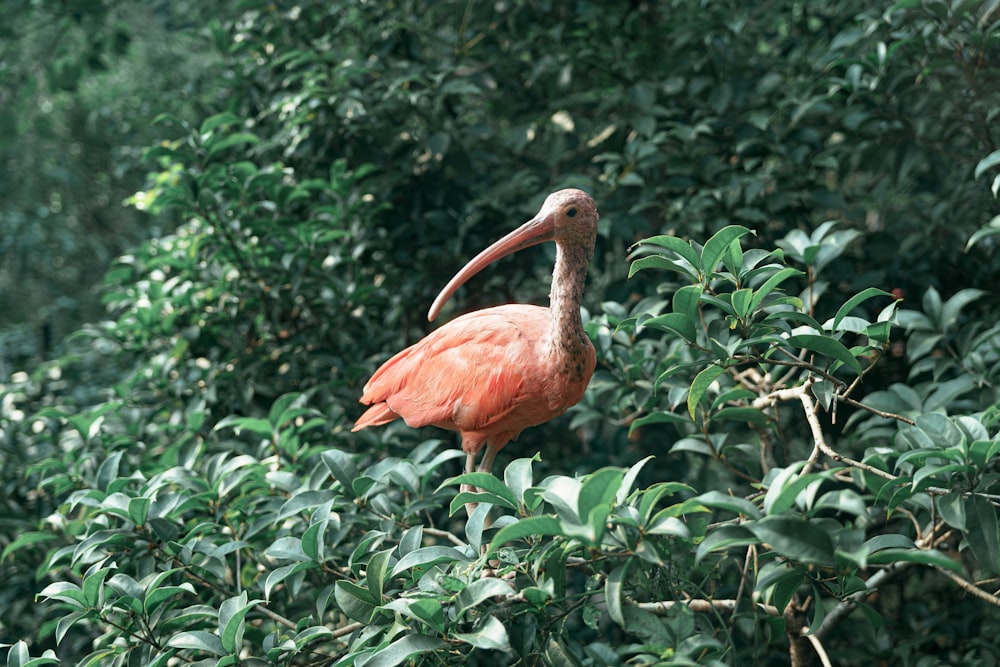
492,373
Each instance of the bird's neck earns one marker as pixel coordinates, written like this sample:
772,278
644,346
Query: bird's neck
566,339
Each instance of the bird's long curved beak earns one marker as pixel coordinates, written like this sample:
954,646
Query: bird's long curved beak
539,229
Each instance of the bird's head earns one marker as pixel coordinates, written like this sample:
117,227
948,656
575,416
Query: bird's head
568,217
571,214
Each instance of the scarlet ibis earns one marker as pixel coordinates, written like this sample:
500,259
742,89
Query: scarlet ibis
494,372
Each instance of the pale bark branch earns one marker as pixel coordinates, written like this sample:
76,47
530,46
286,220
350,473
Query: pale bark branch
700,605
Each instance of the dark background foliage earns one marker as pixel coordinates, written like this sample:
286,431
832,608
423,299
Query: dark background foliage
217,220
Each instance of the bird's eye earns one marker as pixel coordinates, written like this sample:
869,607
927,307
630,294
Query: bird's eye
571,212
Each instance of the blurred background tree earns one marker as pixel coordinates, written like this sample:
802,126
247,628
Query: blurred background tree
80,83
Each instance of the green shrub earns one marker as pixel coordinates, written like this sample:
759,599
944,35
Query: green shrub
777,458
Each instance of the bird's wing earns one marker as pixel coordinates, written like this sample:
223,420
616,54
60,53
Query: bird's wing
466,375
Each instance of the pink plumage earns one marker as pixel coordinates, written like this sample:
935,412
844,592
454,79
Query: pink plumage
492,373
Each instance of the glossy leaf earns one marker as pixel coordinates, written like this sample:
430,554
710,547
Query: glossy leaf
827,347
796,539
716,246
403,649
700,386
427,556
854,302
983,533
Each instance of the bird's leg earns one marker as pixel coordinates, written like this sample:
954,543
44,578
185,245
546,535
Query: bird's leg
486,465
470,466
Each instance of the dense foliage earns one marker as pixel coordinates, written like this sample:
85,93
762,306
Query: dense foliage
788,454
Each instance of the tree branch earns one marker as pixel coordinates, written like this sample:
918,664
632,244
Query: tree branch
801,393
702,605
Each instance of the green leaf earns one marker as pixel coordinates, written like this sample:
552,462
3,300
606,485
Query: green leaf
700,386
108,471
716,246
794,538
287,547
161,594
402,649
279,574
655,262
732,259
988,162
428,610
232,620
18,654
427,556
983,533
598,490
658,418
488,483
980,451
770,285
517,476
676,323
465,497
686,301
489,635
377,568
723,501
479,591
744,415
341,466
25,540
952,509
138,510
614,592
827,347
889,541
260,427
784,487
231,140
741,300
677,245
992,228
724,537
354,600
313,543
856,301
93,587
67,592
625,487
198,640
212,122
778,584
534,526
931,557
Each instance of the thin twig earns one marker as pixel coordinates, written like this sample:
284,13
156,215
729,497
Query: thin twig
347,629
876,411
451,537
969,587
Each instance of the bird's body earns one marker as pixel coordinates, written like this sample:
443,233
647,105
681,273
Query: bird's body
485,374
492,373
